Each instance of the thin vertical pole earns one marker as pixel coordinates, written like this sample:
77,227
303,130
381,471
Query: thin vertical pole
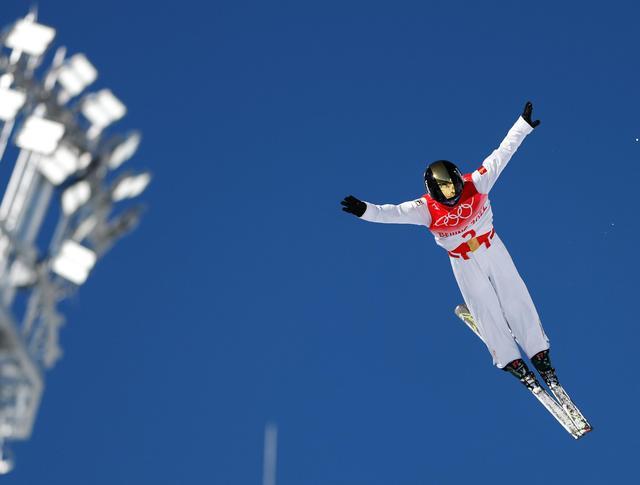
270,454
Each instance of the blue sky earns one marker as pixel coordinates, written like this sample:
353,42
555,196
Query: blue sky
247,296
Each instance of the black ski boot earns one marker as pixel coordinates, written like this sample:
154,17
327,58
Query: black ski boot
542,363
520,370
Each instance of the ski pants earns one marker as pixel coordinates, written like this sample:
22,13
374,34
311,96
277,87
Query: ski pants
500,303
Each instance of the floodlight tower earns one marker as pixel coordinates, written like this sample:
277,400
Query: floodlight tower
63,148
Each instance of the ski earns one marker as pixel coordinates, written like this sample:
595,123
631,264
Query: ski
542,363
556,411
559,413
463,313
570,408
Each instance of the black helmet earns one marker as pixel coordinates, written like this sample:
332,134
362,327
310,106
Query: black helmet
442,175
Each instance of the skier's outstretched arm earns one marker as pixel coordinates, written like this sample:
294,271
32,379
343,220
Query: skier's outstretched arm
494,164
412,212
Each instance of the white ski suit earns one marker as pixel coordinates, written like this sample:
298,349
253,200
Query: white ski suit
489,281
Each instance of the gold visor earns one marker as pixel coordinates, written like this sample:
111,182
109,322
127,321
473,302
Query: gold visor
442,178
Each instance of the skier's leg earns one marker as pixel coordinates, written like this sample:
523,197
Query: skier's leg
515,300
484,305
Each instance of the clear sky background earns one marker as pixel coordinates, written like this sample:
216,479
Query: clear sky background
247,296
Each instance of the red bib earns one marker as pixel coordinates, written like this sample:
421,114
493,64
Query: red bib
449,220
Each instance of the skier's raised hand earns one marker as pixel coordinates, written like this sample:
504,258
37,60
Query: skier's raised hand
526,115
353,206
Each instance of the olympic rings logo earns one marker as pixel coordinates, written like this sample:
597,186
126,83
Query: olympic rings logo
464,211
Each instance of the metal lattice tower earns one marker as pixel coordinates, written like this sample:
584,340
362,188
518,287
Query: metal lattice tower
65,161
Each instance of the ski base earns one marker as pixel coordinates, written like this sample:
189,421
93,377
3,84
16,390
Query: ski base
463,313
571,409
556,411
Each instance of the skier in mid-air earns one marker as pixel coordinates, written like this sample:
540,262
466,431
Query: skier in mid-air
457,211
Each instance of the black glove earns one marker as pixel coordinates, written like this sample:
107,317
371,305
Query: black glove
526,115
354,206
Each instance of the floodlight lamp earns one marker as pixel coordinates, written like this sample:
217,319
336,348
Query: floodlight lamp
76,74
11,101
124,150
75,196
85,228
84,160
30,37
6,455
131,186
40,135
21,274
63,162
103,108
6,80
74,262
6,465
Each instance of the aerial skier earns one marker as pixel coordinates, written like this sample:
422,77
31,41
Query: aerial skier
498,307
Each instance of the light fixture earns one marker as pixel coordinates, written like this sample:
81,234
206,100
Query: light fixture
76,74
30,37
6,459
131,186
59,213
22,274
103,108
124,150
40,135
74,262
75,196
85,228
11,101
64,161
